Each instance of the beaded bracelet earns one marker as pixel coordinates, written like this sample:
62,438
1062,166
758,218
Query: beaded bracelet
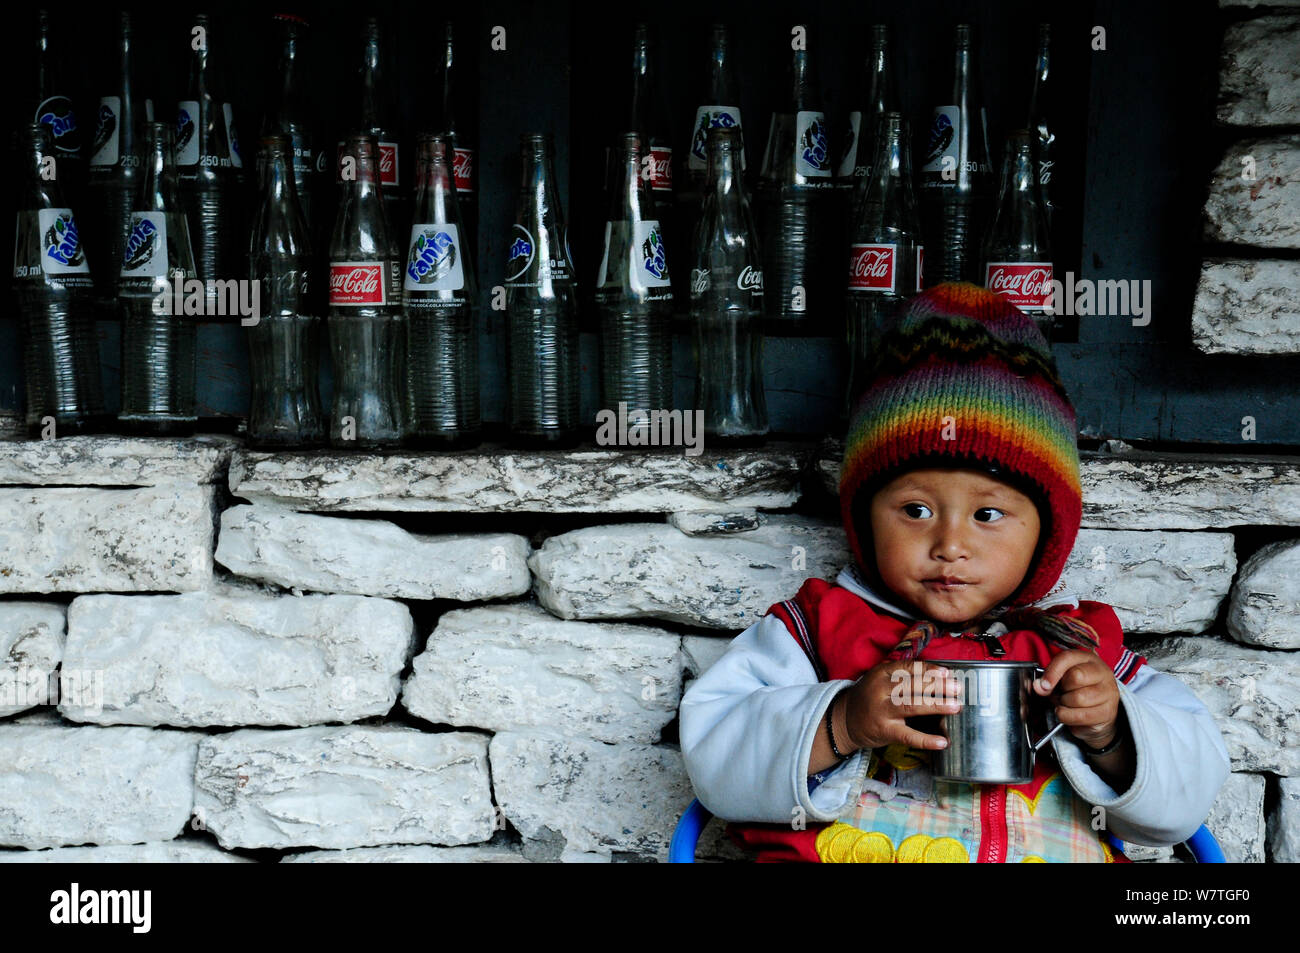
830,732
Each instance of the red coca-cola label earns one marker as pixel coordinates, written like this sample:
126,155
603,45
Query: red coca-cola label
463,166
1027,285
920,265
871,267
357,283
661,169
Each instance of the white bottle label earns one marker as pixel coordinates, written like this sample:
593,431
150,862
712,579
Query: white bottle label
145,254
187,132
61,250
233,143
849,158
811,145
706,118
649,262
944,140
104,146
434,261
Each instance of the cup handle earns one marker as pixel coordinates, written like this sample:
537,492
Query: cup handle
1036,745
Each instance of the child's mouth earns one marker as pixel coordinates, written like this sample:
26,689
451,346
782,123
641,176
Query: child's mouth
942,585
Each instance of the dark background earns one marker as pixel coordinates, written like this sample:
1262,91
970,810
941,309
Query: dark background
1136,143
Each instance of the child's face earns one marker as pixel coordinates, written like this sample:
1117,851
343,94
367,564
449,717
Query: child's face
957,523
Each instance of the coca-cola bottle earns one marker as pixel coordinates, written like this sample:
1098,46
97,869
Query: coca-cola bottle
957,177
53,109
284,342
378,117
1017,255
438,290
367,326
634,297
158,339
649,119
290,113
1040,115
796,207
53,292
720,110
210,167
455,121
116,163
727,302
541,307
885,253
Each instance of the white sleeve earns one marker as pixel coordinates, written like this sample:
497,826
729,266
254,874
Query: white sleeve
747,727
1182,763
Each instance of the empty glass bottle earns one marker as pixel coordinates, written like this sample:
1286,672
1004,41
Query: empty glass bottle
634,296
438,290
209,164
1017,254
284,342
720,110
367,326
541,307
157,338
726,303
796,210
116,162
52,106
54,295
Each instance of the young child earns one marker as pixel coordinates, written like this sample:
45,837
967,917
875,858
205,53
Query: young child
961,498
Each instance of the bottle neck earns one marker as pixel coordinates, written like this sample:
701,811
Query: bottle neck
372,84
277,177
722,85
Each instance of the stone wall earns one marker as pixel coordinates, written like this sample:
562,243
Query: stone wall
1248,297
213,654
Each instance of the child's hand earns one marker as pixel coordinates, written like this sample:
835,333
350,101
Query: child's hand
1087,696
877,704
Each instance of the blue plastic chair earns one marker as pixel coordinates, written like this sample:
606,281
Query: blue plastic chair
681,850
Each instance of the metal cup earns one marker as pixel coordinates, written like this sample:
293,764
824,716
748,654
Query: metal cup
988,739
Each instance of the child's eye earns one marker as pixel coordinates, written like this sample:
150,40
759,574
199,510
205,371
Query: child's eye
990,509
907,507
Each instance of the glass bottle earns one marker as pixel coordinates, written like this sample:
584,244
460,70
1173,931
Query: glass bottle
367,326
438,289
284,341
158,338
541,307
726,303
54,295
634,296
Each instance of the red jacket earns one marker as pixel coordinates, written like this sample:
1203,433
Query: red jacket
843,636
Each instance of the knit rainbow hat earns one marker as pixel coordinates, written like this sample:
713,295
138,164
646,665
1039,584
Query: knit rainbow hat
964,353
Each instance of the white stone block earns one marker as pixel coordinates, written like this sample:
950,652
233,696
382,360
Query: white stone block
88,785
516,667
225,657
344,787
593,797
72,539
1265,606
369,557
31,647
639,570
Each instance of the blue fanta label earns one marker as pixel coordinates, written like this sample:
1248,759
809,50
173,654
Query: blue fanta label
649,255
943,139
522,249
187,132
433,260
56,114
706,118
61,249
811,145
235,158
145,254
104,147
